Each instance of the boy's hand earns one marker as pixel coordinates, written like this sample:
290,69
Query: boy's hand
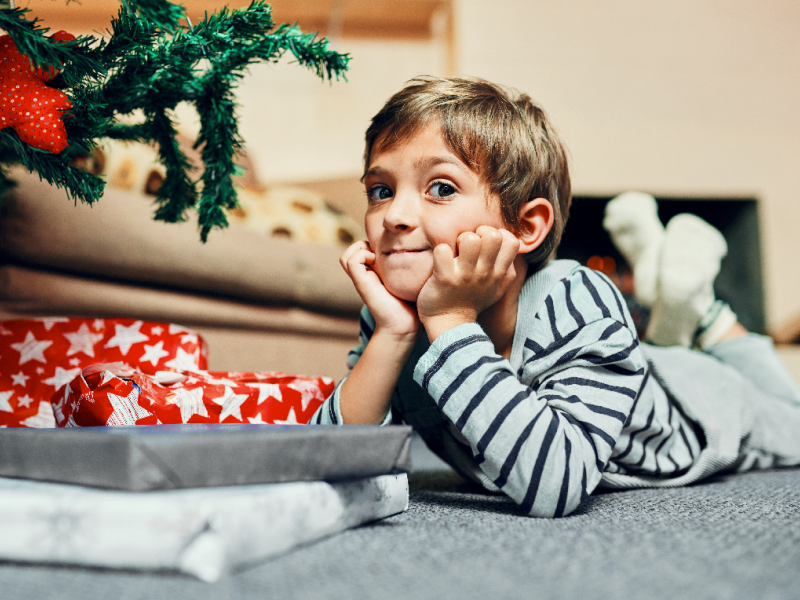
463,286
392,315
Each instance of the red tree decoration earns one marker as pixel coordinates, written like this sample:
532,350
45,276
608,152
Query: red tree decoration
31,108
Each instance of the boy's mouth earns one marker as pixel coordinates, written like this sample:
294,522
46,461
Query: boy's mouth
404,251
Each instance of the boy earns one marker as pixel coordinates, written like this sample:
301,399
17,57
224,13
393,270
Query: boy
525,373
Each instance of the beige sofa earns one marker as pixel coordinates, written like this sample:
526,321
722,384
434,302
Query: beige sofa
261,303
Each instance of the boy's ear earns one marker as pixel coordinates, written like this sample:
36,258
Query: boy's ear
535,220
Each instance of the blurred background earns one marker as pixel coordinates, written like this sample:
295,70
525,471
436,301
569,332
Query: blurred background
692,100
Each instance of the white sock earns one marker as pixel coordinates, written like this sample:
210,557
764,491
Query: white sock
690,260
631,220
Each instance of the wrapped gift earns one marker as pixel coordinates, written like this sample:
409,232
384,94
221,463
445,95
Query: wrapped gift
39,357
148,458
116,395
203,532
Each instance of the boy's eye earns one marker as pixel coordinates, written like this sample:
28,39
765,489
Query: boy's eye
442,190
379,192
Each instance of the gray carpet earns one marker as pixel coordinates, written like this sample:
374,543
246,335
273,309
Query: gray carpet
732,537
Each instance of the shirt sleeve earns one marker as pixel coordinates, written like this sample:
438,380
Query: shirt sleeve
544,443
330,413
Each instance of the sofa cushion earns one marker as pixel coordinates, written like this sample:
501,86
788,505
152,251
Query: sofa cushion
117,238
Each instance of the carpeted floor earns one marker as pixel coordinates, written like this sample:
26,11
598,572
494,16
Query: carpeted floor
732,537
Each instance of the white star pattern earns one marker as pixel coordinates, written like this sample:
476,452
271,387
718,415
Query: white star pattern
189,401
189,338
62,377
44,419
125,337
222,381
58,412
156,330
308,391
20,379
126,409
4,331
153,354
40,370
267,390
82,340
24,401
107,376
291,419
31,349
99,324
5,405
173,329
49,322
256,419
75,361
231,404
183,361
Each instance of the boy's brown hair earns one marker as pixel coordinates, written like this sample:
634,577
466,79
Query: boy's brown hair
501,134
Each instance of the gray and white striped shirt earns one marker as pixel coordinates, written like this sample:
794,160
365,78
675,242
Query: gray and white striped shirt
573,401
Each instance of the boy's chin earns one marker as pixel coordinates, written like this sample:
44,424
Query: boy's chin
409,293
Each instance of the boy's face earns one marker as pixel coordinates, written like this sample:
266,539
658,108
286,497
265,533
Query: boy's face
421,195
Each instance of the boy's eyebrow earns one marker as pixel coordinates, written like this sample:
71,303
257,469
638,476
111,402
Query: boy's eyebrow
432,161
422,163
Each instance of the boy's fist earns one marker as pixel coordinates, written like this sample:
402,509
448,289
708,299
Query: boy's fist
392,315
467,282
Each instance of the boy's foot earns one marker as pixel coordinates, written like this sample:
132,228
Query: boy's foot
631,220
685,311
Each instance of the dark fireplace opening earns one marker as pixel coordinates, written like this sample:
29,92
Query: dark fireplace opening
739,282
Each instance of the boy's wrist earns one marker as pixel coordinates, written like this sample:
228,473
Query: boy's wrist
438,324
393,347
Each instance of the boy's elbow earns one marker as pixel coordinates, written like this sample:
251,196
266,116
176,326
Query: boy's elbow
564,509
566,492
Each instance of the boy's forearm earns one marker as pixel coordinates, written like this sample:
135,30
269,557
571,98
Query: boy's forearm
366,394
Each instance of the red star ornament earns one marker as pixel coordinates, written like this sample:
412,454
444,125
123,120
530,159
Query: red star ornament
27,105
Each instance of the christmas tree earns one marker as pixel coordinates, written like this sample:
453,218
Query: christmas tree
152,59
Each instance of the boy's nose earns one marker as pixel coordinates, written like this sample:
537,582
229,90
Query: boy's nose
401,214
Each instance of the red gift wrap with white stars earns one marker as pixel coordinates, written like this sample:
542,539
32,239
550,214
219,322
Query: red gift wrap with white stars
102,395
30,107
39,357
86,372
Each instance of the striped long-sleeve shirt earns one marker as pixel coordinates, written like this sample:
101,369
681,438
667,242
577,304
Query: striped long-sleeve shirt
573,401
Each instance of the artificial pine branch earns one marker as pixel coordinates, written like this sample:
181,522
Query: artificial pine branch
150,63
162,13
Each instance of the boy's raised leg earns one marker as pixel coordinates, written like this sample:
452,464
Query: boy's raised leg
685,312
631,220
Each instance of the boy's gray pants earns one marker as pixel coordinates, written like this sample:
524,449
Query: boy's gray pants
743,399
